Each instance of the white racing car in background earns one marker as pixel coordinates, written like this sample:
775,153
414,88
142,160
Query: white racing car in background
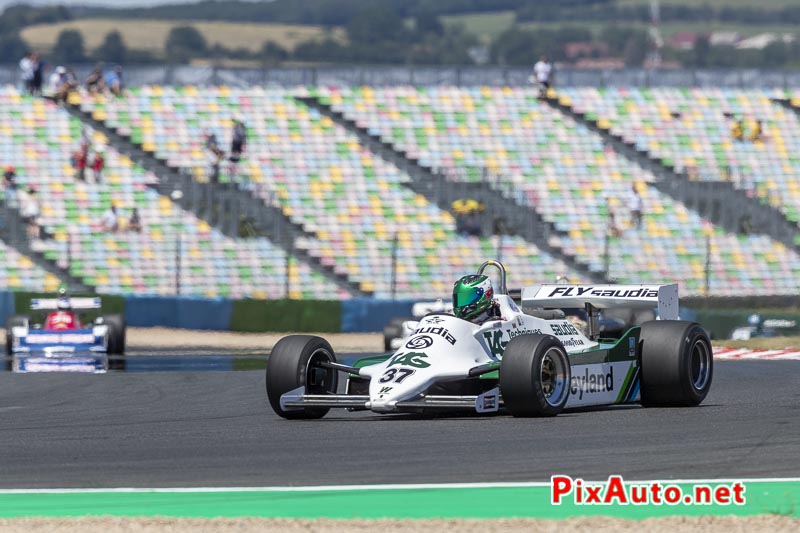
399,328
534,364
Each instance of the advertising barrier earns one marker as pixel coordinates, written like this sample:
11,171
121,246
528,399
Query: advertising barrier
286,316
358,315
361,315
178,312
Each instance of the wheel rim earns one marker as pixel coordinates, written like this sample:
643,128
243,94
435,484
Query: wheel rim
320,380
700,365
553,376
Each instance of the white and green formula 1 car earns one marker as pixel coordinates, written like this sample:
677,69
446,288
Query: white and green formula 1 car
533,364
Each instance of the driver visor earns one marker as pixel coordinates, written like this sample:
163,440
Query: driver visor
463,299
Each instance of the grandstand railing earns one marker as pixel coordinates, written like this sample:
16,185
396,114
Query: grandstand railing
439,75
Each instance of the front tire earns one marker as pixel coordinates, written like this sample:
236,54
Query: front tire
677,363
294,362
535,376
12,322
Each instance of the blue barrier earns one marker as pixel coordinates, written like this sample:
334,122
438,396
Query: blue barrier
361,315
178,312
6,306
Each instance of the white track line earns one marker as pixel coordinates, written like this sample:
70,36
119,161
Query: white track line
336,488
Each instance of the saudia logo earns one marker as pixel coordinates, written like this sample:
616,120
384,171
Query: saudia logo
592,383
608,293
437,331
564,328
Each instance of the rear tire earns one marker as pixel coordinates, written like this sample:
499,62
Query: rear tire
294,362
14,321
116,334
535,376
677,363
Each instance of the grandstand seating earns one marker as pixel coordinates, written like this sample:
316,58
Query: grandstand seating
127,262
321,177
17,271
567,173
691,129
353,204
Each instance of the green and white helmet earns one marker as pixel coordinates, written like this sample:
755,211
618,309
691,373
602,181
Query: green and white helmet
472,295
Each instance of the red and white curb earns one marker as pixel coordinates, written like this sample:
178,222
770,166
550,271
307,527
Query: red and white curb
745,353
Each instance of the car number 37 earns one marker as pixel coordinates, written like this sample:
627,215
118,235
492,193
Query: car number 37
396,374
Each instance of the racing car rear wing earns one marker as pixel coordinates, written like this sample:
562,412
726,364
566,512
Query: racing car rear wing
664,297
51,304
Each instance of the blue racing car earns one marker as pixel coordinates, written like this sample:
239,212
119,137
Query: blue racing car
61,335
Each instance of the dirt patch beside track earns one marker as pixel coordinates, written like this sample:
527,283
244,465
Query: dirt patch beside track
146,338
708,524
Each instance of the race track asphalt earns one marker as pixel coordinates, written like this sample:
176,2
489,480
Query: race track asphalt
185,429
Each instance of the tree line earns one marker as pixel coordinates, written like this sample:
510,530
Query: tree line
339,12
408,32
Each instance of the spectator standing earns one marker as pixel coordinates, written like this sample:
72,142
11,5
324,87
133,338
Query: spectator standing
635,204
238,144
543,71
210,141
29,209
10,177
94,81
10,184
80,160
57,77
113,81
757,131
213,155
135,222
98,164
613,226
38,74
737,130
67,82
26,68
109,220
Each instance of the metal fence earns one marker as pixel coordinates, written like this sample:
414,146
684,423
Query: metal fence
436,75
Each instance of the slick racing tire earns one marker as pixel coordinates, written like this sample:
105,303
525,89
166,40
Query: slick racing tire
677,364
535,376
116,334
392,330
294,362
14,321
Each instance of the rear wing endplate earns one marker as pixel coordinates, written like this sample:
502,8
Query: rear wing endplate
51,304
560,296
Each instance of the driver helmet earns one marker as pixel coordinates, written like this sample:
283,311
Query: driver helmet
472,295
63,304
754,319
63,299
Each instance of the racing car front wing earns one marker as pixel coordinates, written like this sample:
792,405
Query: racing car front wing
488,402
